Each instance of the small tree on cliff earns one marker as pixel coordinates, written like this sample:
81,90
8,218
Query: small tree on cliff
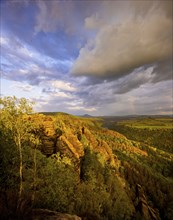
14,119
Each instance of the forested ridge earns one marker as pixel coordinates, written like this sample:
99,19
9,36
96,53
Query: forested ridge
73,165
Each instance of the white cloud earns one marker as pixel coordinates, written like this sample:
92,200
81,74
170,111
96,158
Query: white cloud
62,95
3,41
55,86
82,108
25,87
67,86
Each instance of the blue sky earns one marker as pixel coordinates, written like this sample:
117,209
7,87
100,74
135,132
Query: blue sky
88,57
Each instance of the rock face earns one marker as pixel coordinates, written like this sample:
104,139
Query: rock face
69,145
146,211
45,214
49,137
54,140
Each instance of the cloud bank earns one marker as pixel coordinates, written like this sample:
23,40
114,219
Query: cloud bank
95,57
126,38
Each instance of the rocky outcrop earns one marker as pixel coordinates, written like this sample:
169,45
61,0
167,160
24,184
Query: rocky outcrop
49,137
142,206
55,140
45,214
70,146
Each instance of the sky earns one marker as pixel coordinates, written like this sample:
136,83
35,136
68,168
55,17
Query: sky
88,57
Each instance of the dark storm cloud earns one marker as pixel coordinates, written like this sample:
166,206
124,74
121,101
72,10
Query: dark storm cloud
64,15
107,92
128,40
163,71
123,85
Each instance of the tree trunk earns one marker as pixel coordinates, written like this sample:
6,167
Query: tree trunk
35,170
20,172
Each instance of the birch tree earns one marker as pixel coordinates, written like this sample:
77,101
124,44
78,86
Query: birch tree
14,117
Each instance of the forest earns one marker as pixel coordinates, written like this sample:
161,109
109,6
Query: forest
60,163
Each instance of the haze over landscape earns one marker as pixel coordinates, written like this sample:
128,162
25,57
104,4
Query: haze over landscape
88,57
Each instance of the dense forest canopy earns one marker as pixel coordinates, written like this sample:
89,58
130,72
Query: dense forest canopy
74,165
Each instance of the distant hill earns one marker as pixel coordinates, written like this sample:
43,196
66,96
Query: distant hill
53,113
86,116
110,117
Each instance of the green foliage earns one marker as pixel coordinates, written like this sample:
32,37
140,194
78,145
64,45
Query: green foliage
56,190
95,171
9,158
101,195
91,200
161,138
150,123
91,168
16,129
